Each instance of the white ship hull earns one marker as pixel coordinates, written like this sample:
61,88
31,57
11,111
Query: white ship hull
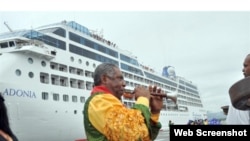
45,87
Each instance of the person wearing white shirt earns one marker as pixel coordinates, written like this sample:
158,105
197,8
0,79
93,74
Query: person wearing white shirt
236,116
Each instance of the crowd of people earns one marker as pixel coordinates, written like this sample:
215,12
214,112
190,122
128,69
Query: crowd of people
213,121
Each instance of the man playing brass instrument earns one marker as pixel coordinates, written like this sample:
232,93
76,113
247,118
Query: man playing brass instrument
107,119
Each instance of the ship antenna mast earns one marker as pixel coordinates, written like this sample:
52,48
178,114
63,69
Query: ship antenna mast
8,27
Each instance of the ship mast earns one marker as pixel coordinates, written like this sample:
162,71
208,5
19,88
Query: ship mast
8,27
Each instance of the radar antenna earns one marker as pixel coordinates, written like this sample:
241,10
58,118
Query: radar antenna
8,27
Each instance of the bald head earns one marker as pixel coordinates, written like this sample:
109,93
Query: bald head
246,66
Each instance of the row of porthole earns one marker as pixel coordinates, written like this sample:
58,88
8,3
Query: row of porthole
30,60
31,74
80,61
75,111
18,73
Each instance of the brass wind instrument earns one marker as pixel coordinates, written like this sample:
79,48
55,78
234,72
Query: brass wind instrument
172,96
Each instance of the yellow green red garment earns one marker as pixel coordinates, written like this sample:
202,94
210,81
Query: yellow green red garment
107,119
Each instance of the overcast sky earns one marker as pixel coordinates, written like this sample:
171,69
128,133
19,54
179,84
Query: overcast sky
205,47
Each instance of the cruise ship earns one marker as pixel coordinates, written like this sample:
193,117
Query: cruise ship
47,75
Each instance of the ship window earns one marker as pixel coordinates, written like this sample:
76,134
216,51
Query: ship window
30,60
94,65
31,74
60,32
80,61
80,84
44,78
73,83
127,82
63,68
89,85
11,43
65,98
56,97
54,66
82,99
18,72
55,79
91,55
4,45
74,98
87,63
72,59
72,70
89,74
125,103
45,96
63,81
79,71
43,63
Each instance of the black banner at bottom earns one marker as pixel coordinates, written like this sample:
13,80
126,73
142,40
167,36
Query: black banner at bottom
198,132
